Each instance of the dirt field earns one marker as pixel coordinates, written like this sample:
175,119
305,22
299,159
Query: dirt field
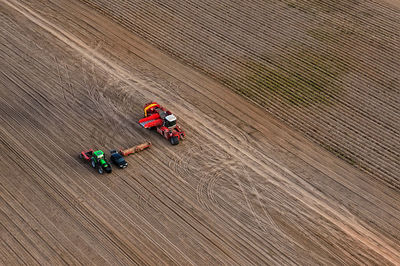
329,69
241,189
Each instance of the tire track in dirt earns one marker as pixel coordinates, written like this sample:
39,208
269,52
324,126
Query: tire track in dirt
363,19
257,251
232,151
388,251
211,165
264,221
384,173
38,169
100,216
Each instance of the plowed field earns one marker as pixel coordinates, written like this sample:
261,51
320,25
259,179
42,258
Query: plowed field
241,189
329,69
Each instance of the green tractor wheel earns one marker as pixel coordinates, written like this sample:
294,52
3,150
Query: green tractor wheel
93,163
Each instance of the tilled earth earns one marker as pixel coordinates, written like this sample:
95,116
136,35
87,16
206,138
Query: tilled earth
329,69
241,189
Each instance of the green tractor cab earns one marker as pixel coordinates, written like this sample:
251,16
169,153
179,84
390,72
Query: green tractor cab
98,160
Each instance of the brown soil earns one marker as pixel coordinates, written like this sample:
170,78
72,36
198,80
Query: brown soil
241,189
329,69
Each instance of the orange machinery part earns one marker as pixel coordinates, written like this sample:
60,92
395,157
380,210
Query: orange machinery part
135,149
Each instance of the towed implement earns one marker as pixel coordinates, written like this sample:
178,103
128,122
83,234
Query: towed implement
159,118
135,149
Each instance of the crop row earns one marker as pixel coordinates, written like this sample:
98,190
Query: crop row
329,71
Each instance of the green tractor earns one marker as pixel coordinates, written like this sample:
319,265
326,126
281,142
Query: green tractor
97,160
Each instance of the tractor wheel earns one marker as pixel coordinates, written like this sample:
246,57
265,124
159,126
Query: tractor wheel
101,170
93,163
174,140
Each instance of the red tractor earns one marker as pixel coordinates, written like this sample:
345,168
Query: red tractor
156,116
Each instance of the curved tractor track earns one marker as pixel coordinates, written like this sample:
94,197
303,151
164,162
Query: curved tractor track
241,189
327,68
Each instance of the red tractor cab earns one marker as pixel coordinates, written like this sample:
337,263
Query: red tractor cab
156,116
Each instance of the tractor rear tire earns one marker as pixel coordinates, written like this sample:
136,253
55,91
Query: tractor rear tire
174,140
93,163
